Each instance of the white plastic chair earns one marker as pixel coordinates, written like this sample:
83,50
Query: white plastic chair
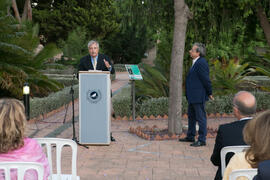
248,173
60,143
21,167
228,149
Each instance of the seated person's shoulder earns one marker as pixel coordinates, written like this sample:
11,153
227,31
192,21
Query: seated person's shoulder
231,124
265,163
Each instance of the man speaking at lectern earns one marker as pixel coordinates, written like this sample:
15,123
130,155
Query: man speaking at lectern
96,61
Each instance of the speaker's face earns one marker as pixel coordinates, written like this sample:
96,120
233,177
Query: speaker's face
93,50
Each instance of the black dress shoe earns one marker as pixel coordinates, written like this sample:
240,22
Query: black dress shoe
198,143
112,138
186,139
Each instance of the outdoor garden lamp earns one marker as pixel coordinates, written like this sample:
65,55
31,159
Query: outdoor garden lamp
26,101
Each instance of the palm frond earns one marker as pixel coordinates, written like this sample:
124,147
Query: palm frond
18,63
47,52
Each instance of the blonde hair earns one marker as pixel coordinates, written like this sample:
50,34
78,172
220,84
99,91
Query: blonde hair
12,124
257,134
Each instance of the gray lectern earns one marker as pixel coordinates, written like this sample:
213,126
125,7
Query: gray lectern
94,107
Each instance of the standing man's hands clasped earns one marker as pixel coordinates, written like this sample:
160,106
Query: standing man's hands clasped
211,97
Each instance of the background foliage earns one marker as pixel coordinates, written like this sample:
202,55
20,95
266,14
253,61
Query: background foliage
19,62
58,18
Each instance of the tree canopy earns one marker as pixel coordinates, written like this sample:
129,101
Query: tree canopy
58,18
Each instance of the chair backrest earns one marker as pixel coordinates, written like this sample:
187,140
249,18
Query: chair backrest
248,173
228,149
21,168
59,143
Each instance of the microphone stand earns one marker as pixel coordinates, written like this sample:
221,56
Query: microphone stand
74,138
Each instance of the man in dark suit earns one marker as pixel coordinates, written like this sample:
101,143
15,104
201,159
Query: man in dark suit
244,106
263,171
198,90
96,61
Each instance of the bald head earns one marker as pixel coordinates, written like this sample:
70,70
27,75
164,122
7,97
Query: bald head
245,102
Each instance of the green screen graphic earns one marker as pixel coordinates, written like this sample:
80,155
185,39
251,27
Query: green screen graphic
133,72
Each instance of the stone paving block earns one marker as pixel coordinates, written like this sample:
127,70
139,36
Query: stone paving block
146,172
92,177
134,164
150,163
144,178
173,164
111,172
120,163
191,172
205,171
129,177
131,172
162,177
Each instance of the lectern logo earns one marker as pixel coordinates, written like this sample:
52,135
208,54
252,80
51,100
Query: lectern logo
94,96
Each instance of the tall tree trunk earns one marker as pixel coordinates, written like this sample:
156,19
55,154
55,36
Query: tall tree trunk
264,22
27,11
181,16
16,11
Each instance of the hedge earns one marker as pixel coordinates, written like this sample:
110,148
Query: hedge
122,102
159,106
54,101
120,67
155,106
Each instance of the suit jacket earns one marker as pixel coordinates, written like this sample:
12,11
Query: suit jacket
228,135
263,171
198,84
86,63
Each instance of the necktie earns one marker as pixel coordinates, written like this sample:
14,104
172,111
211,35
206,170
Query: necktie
95,63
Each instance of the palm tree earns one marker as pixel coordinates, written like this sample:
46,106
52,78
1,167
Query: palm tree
228,75
18,61
154,84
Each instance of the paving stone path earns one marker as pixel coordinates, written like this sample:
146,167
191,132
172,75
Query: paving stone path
131,157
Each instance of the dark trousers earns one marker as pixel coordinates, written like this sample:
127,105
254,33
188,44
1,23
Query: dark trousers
196,113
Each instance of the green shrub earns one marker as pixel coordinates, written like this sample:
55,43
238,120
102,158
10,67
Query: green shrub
120,67
184,105
113,77
154,106
55,66
159,106
122,106
65,79
221,104
260,81
228,75
263,100
54,101
67,70
122,102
